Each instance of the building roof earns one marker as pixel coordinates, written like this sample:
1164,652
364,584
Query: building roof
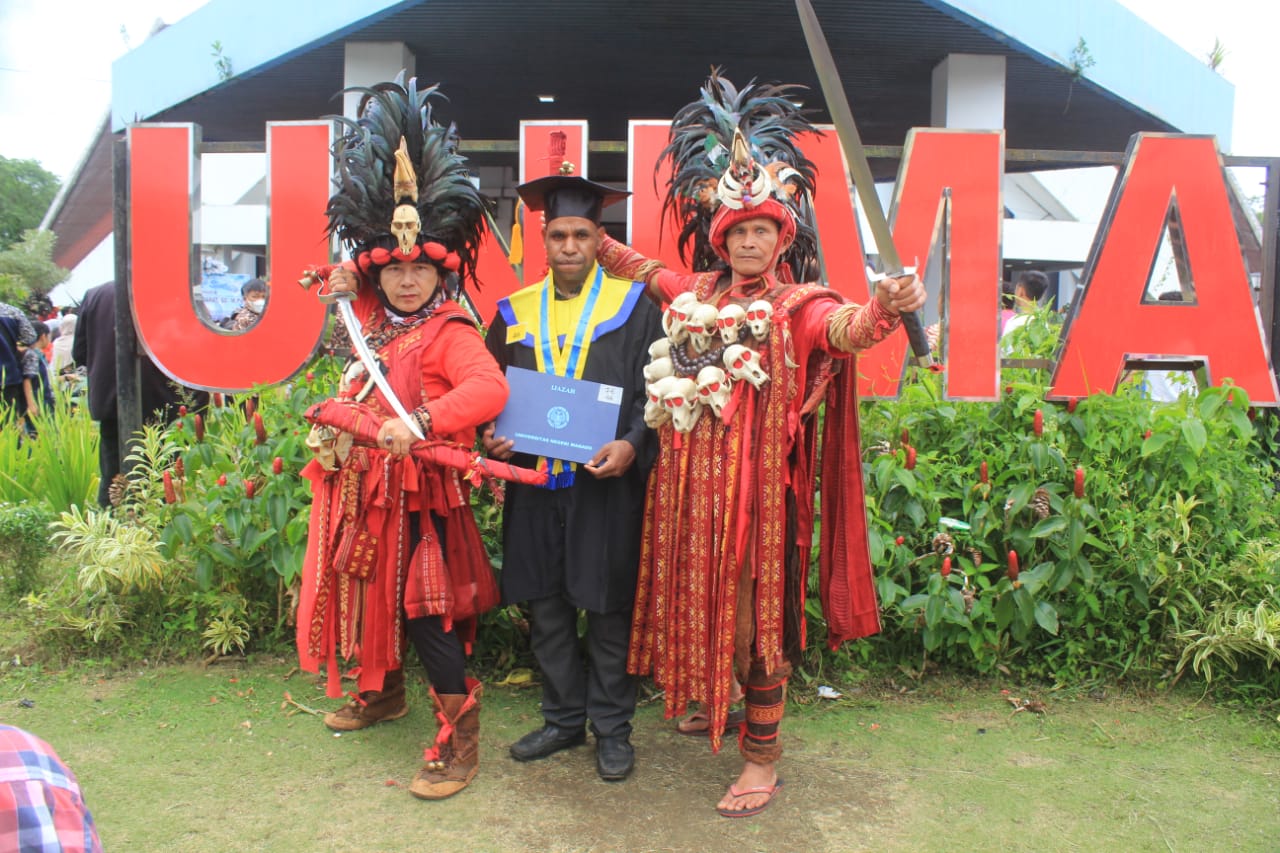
611,60
1081,75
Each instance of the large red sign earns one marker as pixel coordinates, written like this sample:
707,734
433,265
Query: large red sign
949,180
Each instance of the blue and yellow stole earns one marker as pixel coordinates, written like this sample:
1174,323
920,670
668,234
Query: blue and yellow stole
560,332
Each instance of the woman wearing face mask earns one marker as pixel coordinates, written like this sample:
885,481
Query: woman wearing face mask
254,293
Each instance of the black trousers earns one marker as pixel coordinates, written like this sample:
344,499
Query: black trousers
575,690
440,651
108,457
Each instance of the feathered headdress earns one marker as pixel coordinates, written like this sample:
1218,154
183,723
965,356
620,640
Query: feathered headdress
765,168
402,190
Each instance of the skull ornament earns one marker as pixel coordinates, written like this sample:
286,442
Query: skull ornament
713,389
405,225
673,319
657,369
729,321
661,348
702,326
655,413
758,314
682,402
743,363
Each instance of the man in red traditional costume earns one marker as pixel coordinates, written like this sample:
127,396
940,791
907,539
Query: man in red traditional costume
748,358
393,548
575,544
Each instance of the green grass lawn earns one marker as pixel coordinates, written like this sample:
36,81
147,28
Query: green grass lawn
194,759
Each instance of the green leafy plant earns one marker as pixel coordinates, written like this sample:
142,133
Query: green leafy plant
1128,520
1233,633
57,470
221,62
1079,61
24,543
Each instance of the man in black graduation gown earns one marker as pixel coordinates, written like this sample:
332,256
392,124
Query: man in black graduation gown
576,545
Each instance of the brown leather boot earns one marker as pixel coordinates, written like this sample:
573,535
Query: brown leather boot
451,763
373,706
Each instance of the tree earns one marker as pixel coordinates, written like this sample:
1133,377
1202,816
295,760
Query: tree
26,191
28,273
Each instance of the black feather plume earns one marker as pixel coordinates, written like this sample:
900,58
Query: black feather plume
698,145
360,210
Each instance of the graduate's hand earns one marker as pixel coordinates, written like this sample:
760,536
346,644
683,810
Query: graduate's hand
612,460
497,447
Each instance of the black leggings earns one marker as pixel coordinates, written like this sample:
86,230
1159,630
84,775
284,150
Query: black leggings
440,651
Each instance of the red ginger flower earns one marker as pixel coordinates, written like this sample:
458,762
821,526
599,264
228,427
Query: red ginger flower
1037,423
1079,482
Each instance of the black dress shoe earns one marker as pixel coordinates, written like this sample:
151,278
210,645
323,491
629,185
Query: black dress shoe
545,741
615,758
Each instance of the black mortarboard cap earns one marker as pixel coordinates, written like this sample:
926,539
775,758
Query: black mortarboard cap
569,195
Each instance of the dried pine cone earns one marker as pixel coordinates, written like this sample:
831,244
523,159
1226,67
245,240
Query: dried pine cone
968,595
943,545
1040,503
977,557
116,491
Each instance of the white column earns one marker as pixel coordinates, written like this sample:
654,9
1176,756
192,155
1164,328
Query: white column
369,62
968,92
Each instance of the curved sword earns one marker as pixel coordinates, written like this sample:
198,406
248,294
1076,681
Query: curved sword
370,361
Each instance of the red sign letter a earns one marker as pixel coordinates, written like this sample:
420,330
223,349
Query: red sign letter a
1111,326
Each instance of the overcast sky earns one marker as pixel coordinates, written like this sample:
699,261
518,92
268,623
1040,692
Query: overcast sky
49,114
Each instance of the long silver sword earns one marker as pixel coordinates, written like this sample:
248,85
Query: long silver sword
369,360
856,156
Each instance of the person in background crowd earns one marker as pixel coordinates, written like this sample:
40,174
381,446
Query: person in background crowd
41,806
1028,291
37,389
60,361
16,333
254,293
94,348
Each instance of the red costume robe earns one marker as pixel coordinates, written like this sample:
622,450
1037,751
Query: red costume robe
730,509
359,580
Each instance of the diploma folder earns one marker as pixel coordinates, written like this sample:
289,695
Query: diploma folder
557,417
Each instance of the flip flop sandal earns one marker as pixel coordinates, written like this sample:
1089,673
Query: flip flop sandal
771,790
697,724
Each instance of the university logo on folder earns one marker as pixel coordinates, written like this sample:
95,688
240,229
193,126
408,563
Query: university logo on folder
558,417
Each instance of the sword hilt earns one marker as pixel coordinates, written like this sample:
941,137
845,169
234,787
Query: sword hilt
910,322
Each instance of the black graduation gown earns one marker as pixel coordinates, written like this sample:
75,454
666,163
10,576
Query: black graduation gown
583,542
